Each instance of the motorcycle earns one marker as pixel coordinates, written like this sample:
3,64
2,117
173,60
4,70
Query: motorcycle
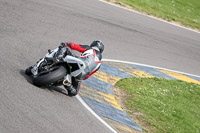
55,68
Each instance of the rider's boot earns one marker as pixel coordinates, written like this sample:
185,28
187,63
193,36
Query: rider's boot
74,88
71,90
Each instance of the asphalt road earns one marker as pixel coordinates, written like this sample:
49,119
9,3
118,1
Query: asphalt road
29,27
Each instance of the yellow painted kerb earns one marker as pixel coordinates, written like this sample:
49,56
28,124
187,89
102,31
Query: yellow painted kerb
111,99
136,73
179,76
105,77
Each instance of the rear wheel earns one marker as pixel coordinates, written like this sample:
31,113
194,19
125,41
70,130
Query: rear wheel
51,77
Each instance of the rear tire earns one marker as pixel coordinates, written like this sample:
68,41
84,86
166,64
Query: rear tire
50,77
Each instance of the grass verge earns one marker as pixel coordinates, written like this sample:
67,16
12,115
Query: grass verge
184,12
170,106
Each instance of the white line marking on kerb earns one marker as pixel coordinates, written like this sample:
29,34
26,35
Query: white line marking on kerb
148,16
94,114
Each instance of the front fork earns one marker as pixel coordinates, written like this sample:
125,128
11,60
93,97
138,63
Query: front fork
35,67
49,55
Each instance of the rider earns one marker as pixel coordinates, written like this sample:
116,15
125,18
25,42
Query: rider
81,67
91,56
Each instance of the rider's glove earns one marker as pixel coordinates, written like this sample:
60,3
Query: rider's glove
62,45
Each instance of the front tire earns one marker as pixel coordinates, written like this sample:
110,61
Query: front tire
50,77
28,71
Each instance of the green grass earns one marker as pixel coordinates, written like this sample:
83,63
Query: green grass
186,12
170,106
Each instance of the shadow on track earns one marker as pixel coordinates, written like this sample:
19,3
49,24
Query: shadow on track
29,79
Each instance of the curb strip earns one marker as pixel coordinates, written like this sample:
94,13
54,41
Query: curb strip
97,91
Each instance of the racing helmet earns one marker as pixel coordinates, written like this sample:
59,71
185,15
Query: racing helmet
98,44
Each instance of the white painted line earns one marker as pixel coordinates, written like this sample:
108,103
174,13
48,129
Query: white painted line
93,113
149,66
148,16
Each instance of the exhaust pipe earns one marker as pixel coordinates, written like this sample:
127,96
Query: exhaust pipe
67,80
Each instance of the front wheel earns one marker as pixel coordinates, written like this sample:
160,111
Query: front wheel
51,77
28,71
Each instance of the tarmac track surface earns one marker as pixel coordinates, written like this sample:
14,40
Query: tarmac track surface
29,27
